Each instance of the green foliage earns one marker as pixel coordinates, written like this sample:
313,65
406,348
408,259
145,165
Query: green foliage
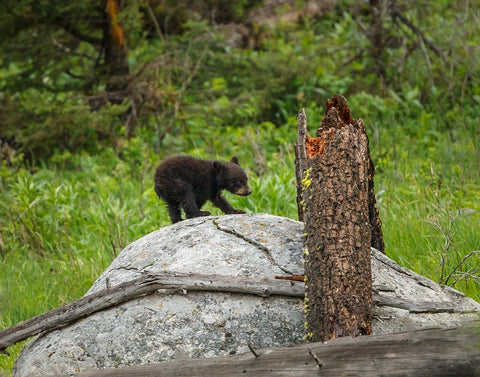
80,188
41,52
43,123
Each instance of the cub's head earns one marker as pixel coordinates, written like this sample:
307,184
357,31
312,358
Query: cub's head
231,177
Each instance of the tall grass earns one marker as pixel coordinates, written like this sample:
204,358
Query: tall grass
63,225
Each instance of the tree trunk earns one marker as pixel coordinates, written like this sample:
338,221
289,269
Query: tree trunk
337,204
116,61
115,49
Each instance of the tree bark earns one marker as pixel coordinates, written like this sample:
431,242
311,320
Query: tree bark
115,49
453,352
116,62
337,204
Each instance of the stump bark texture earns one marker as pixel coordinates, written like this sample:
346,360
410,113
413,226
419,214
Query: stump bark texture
337,203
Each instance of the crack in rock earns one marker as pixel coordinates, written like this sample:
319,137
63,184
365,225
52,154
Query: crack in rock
258,245
141,271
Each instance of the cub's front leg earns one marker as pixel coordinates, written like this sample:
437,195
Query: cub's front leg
220,202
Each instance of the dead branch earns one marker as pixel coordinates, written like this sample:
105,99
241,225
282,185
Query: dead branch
169,282
143,285
396,13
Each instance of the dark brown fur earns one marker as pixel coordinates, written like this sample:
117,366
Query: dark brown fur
184,182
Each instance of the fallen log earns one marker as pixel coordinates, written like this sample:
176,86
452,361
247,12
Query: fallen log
453,352
183,282
145,284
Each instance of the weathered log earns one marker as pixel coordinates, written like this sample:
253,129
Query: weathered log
336,201
451,352
168,282
145,284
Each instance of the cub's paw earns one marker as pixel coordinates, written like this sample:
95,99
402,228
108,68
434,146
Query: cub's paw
238,211
204,213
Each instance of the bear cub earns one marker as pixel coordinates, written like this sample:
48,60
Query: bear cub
187,182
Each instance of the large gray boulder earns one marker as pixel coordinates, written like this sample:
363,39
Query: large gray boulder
167,325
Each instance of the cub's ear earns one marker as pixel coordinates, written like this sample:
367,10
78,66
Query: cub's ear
235,160
217,166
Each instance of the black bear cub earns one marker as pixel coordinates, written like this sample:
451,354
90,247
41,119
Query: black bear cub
186,182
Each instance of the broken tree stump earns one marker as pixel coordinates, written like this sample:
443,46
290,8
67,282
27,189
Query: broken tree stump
336,200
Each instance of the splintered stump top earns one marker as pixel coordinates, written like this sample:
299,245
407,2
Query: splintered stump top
337,115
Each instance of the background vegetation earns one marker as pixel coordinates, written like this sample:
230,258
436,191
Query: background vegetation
92,99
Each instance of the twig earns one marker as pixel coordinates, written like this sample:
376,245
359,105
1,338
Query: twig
155,22
467,276
395,13
448,236
255,353
188,80
464,259
352,59
315,357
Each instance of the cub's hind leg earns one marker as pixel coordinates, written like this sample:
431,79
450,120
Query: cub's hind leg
174,213
189,203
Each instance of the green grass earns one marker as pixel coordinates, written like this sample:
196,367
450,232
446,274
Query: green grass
414,242
62,226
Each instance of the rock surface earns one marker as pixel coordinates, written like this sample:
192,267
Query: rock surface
166,325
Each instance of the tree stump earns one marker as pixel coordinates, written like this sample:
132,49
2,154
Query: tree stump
336,200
